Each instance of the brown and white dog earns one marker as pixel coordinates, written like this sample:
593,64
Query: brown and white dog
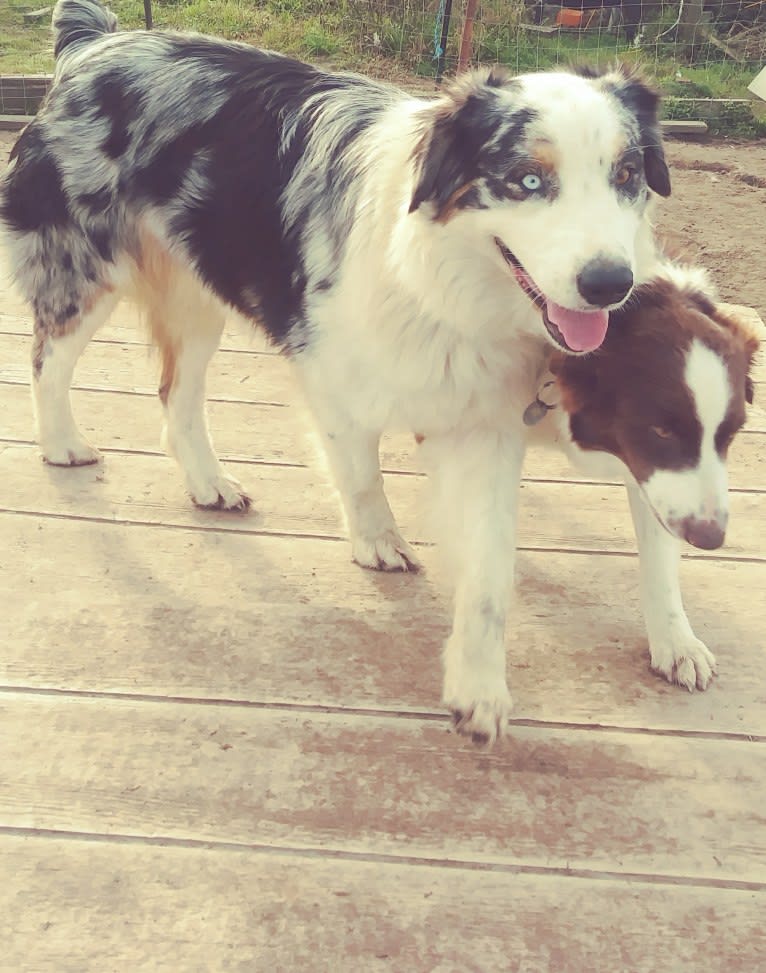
658,406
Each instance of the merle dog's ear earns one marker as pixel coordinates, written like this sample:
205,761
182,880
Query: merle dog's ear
644,102
441,159
455,129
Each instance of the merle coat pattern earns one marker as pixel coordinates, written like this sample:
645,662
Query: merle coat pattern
414,258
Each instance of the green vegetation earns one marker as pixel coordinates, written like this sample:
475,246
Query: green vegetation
395,38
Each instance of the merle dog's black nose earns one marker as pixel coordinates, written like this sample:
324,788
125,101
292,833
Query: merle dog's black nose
603,282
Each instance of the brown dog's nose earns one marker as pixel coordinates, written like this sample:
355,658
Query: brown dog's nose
705,534
602,282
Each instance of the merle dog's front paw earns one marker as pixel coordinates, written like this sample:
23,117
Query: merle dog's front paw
386,552
685,661
480,709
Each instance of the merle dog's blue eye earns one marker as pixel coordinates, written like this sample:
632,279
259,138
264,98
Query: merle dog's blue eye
532,182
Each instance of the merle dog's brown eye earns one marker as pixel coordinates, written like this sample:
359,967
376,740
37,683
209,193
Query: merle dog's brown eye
623,175
662,433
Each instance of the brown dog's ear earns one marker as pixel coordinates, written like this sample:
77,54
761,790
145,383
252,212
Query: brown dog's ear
748,326
745,322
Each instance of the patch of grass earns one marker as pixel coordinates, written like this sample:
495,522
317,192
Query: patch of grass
318,41
24,49
733,119
396,39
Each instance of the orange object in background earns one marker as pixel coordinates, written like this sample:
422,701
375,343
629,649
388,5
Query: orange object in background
569,18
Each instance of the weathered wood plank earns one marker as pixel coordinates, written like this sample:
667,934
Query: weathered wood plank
295,500
387,785
124,326
133,368
266,619
686,127
13,123
82,907
262,433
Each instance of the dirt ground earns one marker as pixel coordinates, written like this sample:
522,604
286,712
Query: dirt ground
716,214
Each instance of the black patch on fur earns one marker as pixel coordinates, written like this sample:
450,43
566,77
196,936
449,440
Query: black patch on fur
33,196
749,390
101,236
66,314
235,232
97,201
498,188
643,102
589,71
163,176
471,199
120,105
454,149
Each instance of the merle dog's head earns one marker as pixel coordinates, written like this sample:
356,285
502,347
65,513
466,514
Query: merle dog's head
551,175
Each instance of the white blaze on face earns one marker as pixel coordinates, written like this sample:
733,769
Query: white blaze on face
698,494
584,129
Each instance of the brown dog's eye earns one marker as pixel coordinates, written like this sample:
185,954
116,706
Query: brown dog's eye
624,175
662,433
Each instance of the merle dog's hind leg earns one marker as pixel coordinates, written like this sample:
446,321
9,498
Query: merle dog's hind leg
188,338
58,342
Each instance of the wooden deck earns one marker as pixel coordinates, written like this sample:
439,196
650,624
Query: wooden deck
222,742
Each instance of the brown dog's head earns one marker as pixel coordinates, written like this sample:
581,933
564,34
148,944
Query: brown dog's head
666,394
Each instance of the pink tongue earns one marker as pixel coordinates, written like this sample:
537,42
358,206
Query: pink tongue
582,330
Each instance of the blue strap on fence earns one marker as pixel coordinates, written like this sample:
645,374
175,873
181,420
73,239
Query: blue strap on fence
438,49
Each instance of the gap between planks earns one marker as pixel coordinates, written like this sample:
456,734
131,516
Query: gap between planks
338,538
385,858
145,393
372,712
389,471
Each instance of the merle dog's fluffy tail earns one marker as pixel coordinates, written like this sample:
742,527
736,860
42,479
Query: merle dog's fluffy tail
78,22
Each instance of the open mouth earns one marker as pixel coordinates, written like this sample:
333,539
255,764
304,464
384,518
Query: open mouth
574,331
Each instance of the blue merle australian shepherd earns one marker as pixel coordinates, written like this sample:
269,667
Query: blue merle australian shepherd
413,258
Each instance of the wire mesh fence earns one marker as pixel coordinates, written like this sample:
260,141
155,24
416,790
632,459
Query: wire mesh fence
695,48
722,36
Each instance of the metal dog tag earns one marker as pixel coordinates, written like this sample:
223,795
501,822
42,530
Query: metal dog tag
536,411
